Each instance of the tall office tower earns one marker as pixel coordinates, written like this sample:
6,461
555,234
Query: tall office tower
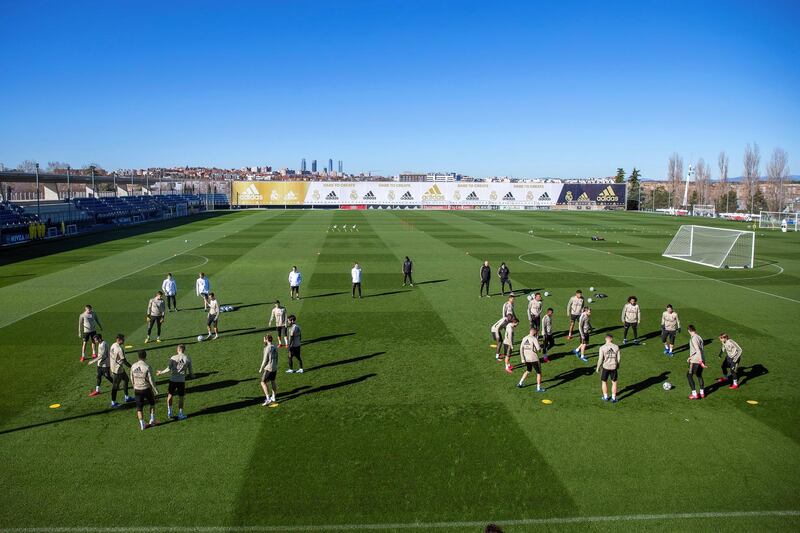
330,166
340,166
303,165
314,165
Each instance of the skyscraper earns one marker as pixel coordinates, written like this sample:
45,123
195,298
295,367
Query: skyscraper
330,166
314,166
340,166
303,165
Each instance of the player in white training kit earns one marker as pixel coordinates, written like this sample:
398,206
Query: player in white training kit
295,278
202,287
529,350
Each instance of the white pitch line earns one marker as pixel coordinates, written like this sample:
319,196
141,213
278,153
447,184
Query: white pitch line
410,525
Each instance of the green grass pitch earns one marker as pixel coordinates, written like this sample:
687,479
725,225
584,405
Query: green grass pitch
403,419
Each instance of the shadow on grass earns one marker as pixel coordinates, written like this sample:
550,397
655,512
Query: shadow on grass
344,361
326,295
685,347
430,282
565,377
743,375
387,293
646,383
326,338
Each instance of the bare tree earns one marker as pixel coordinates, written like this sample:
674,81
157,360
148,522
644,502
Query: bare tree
751,163
56,167
703,181
777,174
27,166
674,175
722,163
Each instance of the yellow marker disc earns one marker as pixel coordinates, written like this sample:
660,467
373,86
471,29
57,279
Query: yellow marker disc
492,346
752,402
273,404
55,406
547,402
128,346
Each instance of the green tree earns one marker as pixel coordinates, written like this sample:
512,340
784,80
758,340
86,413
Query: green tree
759,203
693,198
727,202
633,189
620,178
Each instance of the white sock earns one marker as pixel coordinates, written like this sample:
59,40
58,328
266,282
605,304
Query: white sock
152,418
694,393
538,387
180,411
735,382
97,388
522,382
141,423
613,396
605,396
273,398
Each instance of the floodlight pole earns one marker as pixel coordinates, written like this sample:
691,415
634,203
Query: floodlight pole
69,196
38,205
94,191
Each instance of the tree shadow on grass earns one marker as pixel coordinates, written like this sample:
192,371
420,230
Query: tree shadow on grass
343,361
646,383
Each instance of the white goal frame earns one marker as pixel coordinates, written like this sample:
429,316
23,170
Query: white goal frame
707,210
683,246
52,232
72,229
774,220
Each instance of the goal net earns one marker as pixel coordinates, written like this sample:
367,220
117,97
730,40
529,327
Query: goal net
714,247
703,211
776,220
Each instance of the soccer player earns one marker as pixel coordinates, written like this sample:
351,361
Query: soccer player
547,333
508,343
118,363
529,354
503,273
88,323
213,316
144,389
155,316
584,329
574,308
294,346
179,366
508,307
631,317
202,287
102,363
408,266
497,333
355,274
670,325
279,316
486,276
535,311
733,354
269,370
295,278
608,361
170,289
696,362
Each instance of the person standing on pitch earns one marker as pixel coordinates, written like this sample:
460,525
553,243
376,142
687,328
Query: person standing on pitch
102,363
608,362
508,343
408,266
144,389
155,316
508,307
269,370
202,287
486,276
547,333
118,363
631,317
294,346
178,367
529,354
170,289
355,274
574,308
670,326
279,316
535,311
497,334
696,362
213,316
88,324
733,354
295,278
503,273
584,329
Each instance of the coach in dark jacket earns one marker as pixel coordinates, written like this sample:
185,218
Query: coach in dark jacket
408,266
486,276
503,274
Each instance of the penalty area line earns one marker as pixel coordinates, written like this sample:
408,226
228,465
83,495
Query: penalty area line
411,525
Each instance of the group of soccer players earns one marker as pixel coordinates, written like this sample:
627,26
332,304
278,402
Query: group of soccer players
535,347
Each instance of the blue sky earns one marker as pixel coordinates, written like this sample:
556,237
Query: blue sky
567,89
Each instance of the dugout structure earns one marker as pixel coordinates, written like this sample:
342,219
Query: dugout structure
775,219
714,247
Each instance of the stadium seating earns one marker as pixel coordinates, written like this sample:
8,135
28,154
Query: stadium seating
120,207
12,215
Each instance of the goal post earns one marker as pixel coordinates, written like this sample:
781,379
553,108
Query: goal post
714,247
708,211
776,220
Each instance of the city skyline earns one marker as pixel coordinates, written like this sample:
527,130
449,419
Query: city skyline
529,90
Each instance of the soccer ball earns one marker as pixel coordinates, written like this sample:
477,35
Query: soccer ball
667,385
186,240
148,242
546,293
591,289
200,338
590,300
